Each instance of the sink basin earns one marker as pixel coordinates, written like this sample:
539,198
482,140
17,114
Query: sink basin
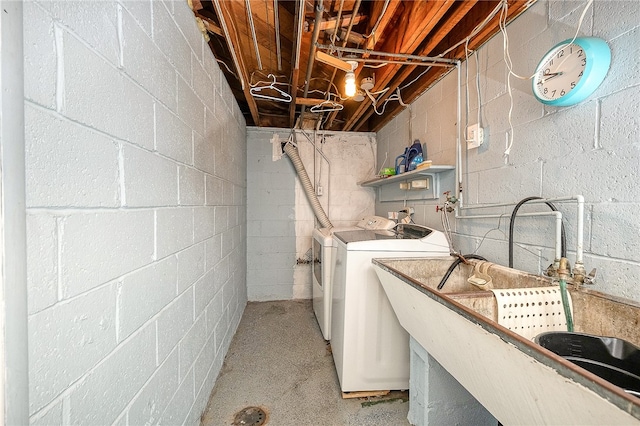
428,273
512,376
615,360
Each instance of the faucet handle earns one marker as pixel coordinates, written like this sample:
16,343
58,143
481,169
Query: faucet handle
591,278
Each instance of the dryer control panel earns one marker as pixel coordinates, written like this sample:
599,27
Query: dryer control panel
376,222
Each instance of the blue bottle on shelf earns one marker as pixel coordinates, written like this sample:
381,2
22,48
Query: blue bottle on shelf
401,162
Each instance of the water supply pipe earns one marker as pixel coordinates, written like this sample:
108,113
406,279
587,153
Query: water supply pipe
579,271
556,214
307,186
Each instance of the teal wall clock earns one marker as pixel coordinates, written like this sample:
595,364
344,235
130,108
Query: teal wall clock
570,72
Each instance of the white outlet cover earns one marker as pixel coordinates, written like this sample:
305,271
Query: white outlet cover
276,148
475,136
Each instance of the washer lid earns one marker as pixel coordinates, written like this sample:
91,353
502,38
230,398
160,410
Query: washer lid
364,235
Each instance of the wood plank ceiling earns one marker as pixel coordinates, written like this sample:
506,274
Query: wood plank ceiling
268,49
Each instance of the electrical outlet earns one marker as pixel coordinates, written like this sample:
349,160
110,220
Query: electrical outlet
276,147
420,184
475,136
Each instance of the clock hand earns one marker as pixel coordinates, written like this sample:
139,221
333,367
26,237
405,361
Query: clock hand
550,76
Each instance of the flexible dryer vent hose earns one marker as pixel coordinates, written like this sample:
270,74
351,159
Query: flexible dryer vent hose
292,152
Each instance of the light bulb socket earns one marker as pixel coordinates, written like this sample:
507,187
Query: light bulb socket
367,83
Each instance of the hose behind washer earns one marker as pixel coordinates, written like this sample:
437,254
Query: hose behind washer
294,156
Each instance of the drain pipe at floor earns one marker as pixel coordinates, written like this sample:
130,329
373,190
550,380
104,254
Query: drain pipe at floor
294,156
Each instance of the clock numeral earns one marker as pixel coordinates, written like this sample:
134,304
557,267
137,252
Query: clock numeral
584,61
553,93
580,53
581,72
573,84
561,53
545,90
562,93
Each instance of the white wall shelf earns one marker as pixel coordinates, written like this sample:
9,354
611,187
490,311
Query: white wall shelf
408,176
400,187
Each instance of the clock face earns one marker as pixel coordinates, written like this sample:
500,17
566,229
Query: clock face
560,72
571,71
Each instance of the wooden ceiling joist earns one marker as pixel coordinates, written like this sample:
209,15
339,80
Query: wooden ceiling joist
405,72
385,19
424,28
448,31
423,17
234,44
330,24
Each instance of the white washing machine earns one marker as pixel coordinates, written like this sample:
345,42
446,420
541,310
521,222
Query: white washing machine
323,252
370,348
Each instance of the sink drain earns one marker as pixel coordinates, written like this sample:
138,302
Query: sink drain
250,416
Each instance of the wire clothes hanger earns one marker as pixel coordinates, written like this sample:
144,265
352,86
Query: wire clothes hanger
281,96
327,106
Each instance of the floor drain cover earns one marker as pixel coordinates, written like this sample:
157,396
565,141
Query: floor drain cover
250,416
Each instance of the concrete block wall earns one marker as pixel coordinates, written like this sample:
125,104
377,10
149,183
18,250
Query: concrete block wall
136,213
436,397
280,220
592,148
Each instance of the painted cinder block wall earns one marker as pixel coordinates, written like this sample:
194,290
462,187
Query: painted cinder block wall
136,196
280,220
592,148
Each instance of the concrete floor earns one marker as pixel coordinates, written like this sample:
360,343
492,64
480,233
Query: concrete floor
278,361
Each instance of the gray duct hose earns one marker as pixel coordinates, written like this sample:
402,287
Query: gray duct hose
292,152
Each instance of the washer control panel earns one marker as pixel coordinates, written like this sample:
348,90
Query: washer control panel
376,222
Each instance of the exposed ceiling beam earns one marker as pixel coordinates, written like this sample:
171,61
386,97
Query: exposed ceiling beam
352,37
330,24
234,44
356,8
515,8
419,18
333,61
377,9
295,60
314,38
309,101
452,21
195,5
210,25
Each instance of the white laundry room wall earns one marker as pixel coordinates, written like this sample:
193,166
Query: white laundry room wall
280,220
136,226
591,149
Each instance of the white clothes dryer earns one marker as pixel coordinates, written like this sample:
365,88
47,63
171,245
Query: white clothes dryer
323,255
370,348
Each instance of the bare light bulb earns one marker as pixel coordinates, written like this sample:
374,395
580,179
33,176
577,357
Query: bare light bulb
350,84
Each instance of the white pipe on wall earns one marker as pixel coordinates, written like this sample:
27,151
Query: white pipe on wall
579,199
13,238
558,230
